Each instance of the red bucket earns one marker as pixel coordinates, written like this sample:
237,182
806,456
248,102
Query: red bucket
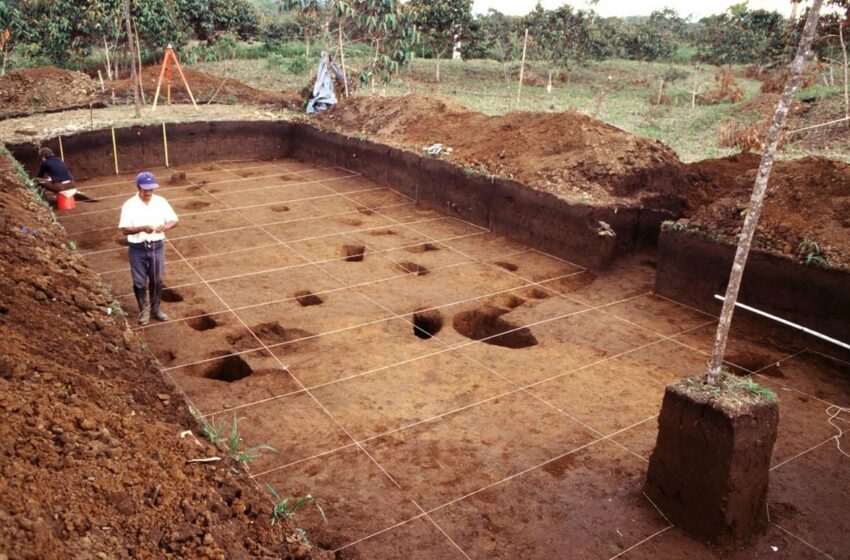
65,202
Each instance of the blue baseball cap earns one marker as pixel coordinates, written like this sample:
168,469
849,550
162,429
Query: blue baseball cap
146,181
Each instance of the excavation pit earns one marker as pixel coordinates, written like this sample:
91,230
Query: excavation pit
427,323
547,382
201,324
228,369
353,253
170,295
486,324
413,268
307,298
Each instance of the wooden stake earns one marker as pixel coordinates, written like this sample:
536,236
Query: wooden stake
134,78
844,58
61,150
166,66
139,56
522,69
102,85
342,61
185,81
108,66
159,80
165,144
115,151
218,89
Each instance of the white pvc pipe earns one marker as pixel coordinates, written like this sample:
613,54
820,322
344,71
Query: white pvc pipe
789,323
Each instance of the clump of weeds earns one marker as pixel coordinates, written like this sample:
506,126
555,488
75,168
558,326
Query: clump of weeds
218,434
286,507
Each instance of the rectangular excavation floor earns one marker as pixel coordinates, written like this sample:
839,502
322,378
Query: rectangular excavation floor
443,391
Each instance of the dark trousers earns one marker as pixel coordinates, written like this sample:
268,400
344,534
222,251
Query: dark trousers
58,187
147,262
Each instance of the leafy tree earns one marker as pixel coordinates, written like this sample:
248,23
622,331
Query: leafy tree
655,38
389,30
441,23
67,29
563,37
13,28
494,36
741,35
312,17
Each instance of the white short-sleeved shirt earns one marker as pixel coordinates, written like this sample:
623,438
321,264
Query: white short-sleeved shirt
135,213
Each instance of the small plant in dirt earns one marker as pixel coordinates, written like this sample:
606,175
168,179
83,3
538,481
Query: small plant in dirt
115,310
218,434
286,507
810,253
72,245
734,391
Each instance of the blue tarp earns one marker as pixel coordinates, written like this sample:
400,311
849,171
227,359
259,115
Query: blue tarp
324,96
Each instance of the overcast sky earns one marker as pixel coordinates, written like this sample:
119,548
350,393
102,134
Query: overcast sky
633,7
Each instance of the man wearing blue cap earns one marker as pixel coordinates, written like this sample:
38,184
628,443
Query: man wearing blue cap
144,220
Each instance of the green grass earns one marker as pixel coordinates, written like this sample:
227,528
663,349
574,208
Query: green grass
734,392
286,507
218,434
483,85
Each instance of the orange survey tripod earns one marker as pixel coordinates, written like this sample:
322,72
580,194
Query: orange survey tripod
166,69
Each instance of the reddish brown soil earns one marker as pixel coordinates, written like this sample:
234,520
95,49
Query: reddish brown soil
565,153
203,86
34,90
92,462
807,199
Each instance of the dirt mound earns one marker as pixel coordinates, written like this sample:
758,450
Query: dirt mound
565,153
93,463
808,201
45,88
203,85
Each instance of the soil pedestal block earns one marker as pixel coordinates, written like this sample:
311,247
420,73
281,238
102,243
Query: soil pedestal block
709,470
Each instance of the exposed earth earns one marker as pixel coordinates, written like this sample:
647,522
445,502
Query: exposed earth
203,88
566,153
808,201
45,88
92,420
95,462
579,157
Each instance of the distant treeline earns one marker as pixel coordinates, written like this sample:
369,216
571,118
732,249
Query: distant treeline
70,32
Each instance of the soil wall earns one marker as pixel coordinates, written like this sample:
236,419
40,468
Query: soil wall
539,219
692,268
89,154
589,235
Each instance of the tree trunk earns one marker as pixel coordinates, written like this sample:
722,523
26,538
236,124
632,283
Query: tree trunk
521,70
438,67
130,43
660,92
751,220
6,52
844,58
108,64
549,85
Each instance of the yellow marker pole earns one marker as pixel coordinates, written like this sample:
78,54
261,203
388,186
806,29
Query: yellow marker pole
115,150
165,144
61,151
